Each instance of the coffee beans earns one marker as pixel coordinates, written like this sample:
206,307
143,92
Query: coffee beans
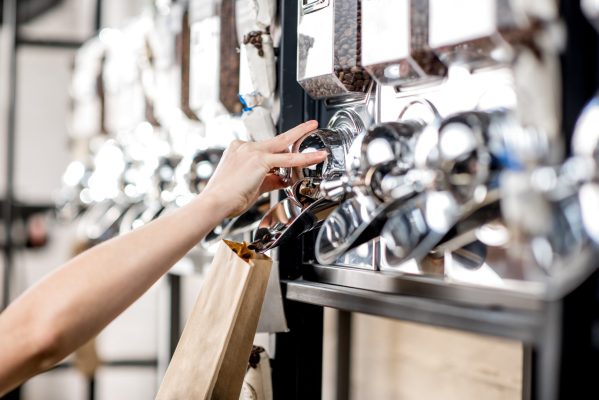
347,75
229,59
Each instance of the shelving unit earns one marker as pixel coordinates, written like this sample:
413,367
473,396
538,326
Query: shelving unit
560,359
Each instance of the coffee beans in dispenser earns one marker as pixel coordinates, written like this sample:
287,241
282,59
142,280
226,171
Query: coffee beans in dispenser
395,42
329,49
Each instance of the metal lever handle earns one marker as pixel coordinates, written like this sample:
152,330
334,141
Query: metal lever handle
336,189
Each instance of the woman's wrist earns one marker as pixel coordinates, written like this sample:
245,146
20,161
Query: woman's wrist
216,204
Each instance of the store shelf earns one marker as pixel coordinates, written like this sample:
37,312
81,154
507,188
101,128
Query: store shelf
478,296
511,323
482,287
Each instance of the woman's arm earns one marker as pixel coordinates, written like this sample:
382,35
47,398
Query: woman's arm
71,305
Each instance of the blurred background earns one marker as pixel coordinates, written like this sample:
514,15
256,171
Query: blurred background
45,73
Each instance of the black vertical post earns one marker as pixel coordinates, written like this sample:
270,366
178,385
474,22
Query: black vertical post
527,371
98,16
290,92
10,25
297,368
91,388
343,378
174,282
91,383
579,364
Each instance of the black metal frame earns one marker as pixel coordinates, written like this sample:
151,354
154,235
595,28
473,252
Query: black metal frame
561,355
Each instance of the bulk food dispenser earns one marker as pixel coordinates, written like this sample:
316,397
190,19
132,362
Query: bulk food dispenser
329,50
450,178
329,69
395,48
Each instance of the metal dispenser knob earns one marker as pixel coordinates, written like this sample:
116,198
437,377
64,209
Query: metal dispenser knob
336,140
202,167
464,158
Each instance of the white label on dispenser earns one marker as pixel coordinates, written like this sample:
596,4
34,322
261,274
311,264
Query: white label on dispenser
259,124
385,31
204,62
315,43
458,21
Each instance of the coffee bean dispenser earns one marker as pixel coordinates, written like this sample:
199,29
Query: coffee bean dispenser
395,36
474,33
329,50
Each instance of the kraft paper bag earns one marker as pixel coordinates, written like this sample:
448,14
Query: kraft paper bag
212,355
87,360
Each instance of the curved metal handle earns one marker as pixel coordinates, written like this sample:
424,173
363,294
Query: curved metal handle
336,189
423,102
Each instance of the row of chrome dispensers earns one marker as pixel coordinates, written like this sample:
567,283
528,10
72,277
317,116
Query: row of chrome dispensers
445,151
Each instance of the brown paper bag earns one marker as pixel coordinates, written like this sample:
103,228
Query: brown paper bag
87,360
212,355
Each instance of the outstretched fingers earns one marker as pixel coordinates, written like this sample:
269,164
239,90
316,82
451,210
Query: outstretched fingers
289,160
282,142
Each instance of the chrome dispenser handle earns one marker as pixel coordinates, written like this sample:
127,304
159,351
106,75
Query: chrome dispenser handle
336,189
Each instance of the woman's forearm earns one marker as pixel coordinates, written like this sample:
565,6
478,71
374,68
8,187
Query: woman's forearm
75,302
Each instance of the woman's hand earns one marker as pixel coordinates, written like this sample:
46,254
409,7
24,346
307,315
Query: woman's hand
243,173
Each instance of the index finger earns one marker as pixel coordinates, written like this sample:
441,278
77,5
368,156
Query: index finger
282,142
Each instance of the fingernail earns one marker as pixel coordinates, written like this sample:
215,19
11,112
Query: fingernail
311,122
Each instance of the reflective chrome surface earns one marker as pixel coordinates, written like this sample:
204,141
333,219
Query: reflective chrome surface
353,223
287,220
202,166
336,139
379,160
